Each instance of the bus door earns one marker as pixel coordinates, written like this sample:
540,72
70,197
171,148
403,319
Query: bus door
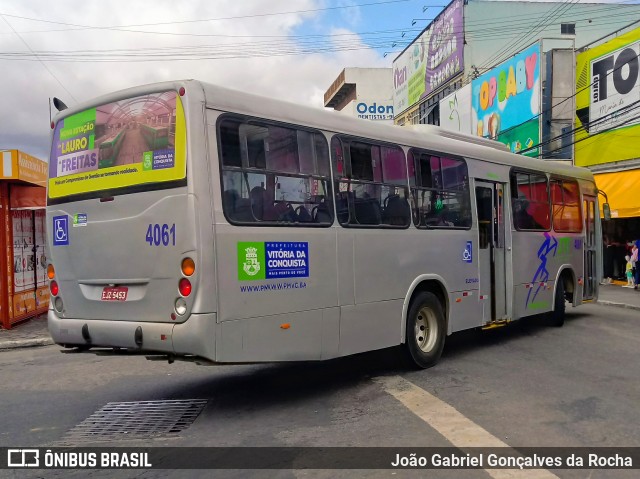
590,271
491,251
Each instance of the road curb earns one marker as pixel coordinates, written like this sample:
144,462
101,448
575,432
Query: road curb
26,343
619,305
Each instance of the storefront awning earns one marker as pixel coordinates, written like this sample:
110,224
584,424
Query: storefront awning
622,190
27,197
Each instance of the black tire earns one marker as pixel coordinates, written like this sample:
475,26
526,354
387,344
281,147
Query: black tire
556,317
425,315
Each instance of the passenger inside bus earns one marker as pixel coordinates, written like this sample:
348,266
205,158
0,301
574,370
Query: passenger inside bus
521,217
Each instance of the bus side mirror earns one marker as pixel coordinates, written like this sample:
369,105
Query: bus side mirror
606,210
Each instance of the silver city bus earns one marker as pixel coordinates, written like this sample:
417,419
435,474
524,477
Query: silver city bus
232,228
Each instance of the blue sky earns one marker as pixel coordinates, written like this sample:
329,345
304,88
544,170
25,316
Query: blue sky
381,23
285,49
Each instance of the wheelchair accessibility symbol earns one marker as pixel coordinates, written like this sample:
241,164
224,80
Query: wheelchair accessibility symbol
60,230
467,254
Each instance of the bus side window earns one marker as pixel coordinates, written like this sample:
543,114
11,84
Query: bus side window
371,184
565,198
440,191
274,174
530,201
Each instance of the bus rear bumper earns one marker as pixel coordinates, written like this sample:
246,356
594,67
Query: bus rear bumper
196,336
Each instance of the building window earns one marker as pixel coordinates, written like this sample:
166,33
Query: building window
568,28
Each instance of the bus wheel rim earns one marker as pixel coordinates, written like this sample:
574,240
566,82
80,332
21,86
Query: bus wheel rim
426,330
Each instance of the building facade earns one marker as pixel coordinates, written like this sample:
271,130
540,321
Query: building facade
362,92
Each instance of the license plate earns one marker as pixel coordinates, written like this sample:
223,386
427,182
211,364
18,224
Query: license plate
115,293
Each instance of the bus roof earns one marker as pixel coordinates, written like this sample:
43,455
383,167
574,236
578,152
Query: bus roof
423,136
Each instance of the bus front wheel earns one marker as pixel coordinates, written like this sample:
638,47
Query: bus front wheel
425,330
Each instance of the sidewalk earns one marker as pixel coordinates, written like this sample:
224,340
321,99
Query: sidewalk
615,295
29,333
34,331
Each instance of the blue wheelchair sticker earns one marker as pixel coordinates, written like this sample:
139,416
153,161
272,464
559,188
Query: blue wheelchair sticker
467,254
60,230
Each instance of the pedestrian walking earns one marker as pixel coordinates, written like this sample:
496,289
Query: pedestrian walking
634,263
608,255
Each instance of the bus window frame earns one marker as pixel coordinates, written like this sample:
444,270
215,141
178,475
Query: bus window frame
346,177
412,187
554,177
244,169
515,170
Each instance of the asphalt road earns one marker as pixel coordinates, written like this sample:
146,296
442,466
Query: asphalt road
525,385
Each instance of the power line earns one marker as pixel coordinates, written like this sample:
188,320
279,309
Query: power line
510,48
239,17
196,52
43,63
593,135
603,119
561,102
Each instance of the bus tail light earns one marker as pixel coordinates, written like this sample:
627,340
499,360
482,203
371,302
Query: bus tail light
54,288
185,287
51,272
188,266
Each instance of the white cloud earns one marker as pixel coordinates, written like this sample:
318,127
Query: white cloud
262,42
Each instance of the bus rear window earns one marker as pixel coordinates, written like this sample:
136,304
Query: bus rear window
130,145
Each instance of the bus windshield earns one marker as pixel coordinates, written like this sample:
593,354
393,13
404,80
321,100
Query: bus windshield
137,144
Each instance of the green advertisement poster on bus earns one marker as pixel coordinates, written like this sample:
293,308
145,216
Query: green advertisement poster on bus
126,143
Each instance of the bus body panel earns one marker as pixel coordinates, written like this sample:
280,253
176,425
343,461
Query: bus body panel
154,230
281,337
357,290
242,299
194,337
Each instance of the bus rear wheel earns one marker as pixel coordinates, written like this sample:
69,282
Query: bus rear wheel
425,330
556,317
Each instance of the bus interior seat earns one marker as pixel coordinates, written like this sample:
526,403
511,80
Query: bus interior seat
235,207
261,206
396,211
342,205
321,213
230,202
303,214
367,211
284,212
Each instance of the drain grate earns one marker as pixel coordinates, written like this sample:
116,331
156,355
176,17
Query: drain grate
135,420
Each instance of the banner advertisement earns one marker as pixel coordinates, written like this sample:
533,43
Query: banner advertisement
446,47
126,143
373,109
608,101
433,58
408,73
455,110
505,102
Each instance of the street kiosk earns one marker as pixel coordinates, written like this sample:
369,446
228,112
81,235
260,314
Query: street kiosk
23,290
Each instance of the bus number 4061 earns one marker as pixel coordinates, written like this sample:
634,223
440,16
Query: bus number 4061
161,235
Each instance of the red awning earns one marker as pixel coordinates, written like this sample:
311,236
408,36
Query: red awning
23,197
